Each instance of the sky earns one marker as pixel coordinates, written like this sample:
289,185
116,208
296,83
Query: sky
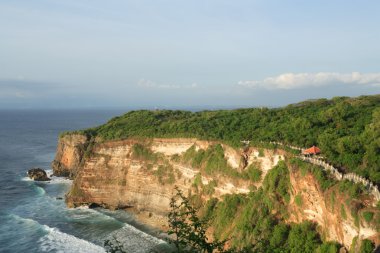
182,54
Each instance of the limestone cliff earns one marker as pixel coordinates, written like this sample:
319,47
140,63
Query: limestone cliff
115,174
70,153
338,218
112,177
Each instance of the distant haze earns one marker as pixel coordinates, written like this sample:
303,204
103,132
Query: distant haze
183,54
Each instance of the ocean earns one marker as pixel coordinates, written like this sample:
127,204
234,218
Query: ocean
33,215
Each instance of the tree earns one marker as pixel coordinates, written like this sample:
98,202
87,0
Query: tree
188,231
367,246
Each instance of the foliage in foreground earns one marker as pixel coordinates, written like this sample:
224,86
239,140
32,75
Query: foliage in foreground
187,229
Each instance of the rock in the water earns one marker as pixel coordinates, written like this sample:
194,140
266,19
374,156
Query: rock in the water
38,174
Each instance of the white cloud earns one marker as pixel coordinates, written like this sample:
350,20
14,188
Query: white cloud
293,81
151,84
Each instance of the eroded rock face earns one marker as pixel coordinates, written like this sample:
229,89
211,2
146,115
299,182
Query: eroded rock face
325,209
110,176
38,174
69,155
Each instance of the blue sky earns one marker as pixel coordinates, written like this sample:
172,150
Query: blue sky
178,54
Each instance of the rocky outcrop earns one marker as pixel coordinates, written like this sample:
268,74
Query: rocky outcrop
69,155
38,174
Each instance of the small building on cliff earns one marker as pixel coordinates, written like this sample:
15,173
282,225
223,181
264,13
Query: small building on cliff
311,151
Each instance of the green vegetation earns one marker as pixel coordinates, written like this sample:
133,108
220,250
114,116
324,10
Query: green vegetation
277,182
198,180
329,247
211,161
325,180
256,222
208,189
351,189
332,200
165,174
354,209
253,172
140,152
303,238
253,226
187,229
368,216
366,246
343,212
346,129
298,200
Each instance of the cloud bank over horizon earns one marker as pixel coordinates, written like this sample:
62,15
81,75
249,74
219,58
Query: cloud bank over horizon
145,83
288,81
170,54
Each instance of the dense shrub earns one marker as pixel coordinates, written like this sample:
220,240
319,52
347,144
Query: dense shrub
139,151
328,247
253,172
298,200
346,129
367,246
352,189
368,216
211,161
277,181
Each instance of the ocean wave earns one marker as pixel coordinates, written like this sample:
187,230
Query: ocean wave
25,221
133,240
40,191
57,241
84,212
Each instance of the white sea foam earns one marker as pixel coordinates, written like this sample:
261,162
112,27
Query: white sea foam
49,172
57,241
54,179
88,213
59,180
26,179
134,240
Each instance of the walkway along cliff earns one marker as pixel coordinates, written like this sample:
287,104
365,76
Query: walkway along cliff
317,160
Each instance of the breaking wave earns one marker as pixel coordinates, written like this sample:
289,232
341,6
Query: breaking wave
133,240
57,241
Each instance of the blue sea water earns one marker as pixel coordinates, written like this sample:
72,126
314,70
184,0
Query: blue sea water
33,218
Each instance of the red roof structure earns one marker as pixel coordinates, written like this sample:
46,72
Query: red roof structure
312,151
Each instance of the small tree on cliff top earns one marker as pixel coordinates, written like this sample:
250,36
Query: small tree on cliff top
187,229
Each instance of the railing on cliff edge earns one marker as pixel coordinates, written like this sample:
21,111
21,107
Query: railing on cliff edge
318,160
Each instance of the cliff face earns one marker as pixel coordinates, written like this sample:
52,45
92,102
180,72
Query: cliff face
331,210
114,175
70,152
